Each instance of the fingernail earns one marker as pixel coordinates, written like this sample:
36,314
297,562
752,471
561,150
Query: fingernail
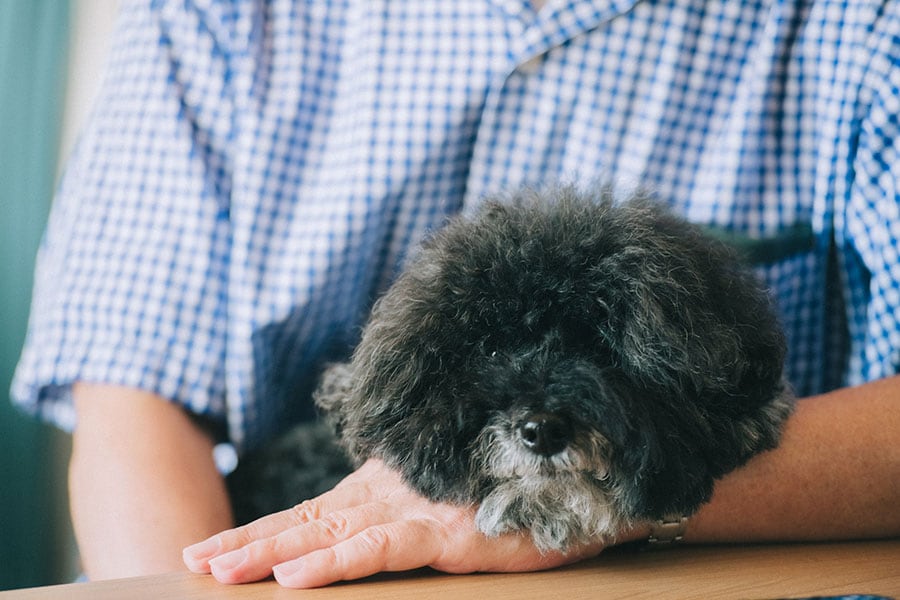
203,550
228,561
287,569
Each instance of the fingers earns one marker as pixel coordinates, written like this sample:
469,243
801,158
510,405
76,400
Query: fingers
254,561
197,557
414,543
396,546
371,522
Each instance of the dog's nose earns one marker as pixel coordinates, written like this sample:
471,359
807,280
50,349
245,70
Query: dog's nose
544,434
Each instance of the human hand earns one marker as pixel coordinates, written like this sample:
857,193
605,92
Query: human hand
370,522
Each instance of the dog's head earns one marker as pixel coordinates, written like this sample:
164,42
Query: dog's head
567,362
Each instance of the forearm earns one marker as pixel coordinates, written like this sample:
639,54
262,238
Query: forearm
835,475
142,481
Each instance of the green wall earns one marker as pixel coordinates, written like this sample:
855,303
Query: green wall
33,47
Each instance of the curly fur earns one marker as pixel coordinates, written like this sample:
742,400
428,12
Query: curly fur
646,352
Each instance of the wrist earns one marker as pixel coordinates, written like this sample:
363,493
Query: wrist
635,535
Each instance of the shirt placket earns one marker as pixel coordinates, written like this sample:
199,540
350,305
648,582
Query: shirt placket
532,37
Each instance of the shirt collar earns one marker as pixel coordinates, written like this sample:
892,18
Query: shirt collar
558,21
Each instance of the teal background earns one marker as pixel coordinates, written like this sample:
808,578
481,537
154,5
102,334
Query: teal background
34,38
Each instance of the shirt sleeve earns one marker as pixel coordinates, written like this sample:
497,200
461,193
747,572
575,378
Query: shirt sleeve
871,228
130,287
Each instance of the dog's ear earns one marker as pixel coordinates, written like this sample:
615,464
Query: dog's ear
656,469
684,311
377,398
693,328
671,478
408,370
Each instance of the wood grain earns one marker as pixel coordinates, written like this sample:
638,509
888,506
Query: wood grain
707,572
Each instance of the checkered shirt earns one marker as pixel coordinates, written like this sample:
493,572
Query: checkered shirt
255,172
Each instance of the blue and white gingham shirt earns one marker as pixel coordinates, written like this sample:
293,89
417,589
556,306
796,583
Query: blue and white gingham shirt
255,172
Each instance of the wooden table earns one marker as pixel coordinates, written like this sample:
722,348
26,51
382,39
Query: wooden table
760,572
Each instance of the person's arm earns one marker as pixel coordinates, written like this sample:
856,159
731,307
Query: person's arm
836,475
142,483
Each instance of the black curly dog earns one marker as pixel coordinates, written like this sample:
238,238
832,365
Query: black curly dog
568,363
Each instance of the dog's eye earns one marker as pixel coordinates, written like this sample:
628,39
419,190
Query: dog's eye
494,354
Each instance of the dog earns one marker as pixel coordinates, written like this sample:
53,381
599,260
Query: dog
568,362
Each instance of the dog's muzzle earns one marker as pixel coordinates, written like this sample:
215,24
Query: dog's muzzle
544,434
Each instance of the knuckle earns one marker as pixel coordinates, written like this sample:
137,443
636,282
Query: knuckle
262,548
336,526
306,512
332,561
272,549
376,541
238,538
248,534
